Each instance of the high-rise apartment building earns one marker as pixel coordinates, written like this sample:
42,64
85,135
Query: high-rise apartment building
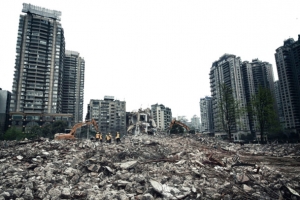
37,83
278,102
110,114
161,115
206,113
288,66
254,75
227,70
73,85
195,122
4,109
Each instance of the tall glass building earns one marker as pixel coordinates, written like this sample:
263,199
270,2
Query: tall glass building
227,70
73,85
37,83
288,66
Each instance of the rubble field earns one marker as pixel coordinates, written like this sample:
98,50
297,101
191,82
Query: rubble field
148,167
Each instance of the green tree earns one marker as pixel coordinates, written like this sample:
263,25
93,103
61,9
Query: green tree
35,132
13,134
47,131
59,127
263,110
176,129
229,109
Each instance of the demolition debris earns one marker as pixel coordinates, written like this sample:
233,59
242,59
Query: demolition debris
148,167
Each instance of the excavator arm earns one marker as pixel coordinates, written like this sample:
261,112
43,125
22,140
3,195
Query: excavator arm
94,123
179,123
75,127
71,135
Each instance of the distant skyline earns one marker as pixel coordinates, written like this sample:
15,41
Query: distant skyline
158,51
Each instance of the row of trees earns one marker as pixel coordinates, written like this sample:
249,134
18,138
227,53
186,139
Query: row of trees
48,130
260,108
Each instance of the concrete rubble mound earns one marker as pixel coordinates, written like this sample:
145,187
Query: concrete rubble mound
148,167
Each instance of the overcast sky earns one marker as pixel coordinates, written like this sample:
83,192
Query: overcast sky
157,51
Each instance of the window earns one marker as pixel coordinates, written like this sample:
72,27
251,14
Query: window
17,117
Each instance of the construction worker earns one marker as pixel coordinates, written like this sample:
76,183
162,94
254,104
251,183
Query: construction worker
97,136
118,137
108,138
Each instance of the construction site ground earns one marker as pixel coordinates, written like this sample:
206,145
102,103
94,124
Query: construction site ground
148,167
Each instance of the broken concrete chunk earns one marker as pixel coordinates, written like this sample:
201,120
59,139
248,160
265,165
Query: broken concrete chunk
180,162
94,168
128,165
147,196
109,169
121,183
19,157
247,188
45,153
66,193
156,186
242,178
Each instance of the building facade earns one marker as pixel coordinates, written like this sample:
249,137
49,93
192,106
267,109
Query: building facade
4,109
227,70
110,114
195,123
206,113
278,102
161,115
73,85
254,75
288,66
25,121
37,82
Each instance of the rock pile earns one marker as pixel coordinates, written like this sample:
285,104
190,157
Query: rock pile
148,167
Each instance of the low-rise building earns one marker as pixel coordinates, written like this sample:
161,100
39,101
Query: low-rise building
25,121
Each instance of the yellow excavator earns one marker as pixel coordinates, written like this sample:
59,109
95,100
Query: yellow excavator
174,121
71,135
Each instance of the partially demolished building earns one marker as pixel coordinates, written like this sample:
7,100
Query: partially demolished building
141,122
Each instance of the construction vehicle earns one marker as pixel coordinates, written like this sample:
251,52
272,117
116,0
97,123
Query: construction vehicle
71,135
174,121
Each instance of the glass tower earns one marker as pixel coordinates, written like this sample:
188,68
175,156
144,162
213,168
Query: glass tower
40,51
73,85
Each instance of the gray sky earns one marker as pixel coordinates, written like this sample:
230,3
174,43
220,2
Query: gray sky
157,51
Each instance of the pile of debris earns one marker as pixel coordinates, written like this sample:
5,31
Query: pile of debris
148,167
